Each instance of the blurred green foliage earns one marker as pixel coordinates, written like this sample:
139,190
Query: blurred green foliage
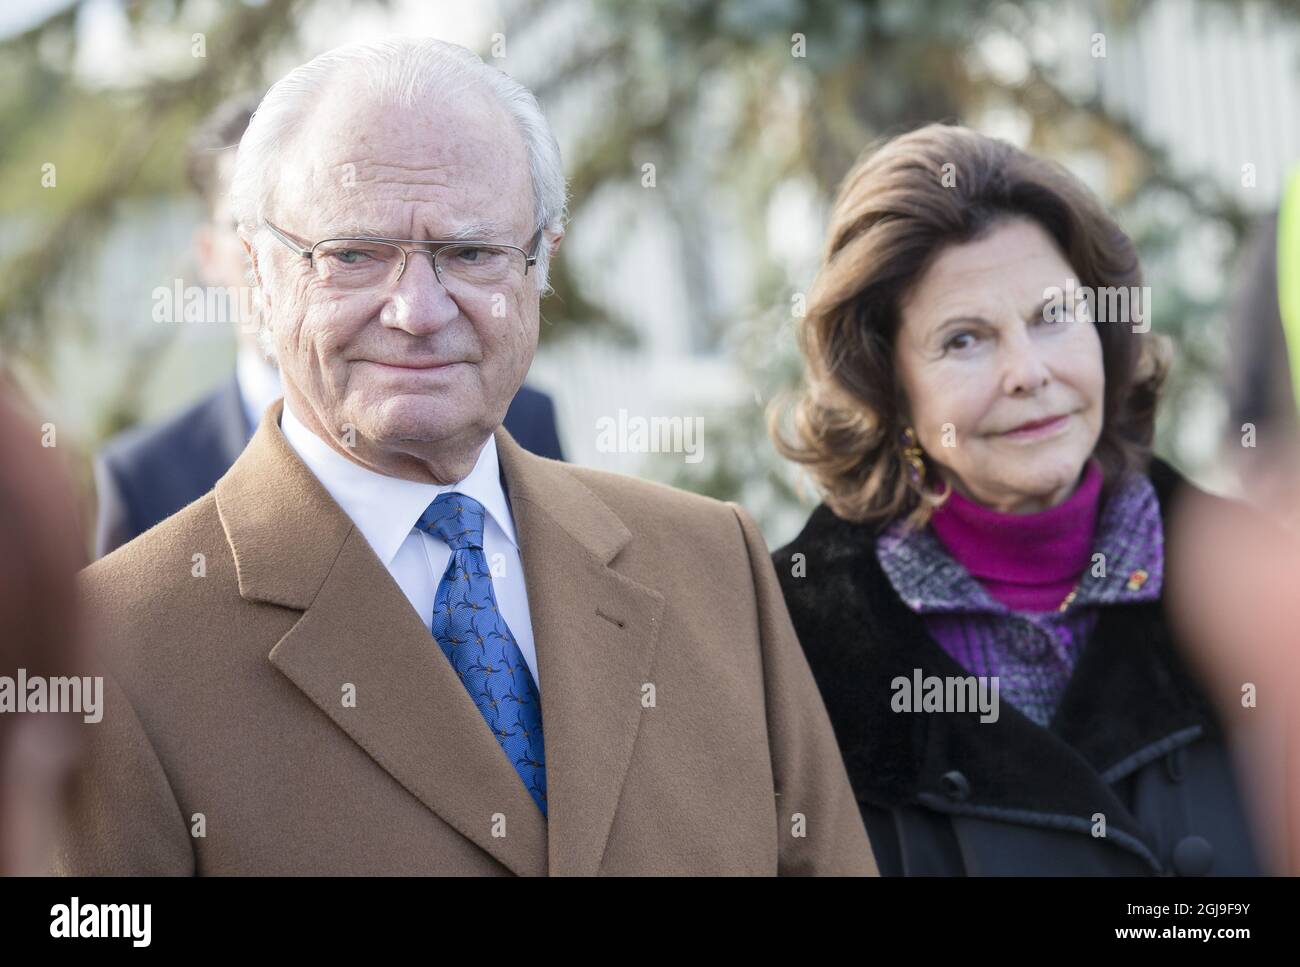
709,91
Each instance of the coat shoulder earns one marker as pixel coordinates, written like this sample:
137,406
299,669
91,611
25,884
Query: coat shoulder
829,534
647,507
830,559
177,565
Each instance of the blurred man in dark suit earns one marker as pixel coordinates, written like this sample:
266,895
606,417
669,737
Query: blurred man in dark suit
146,474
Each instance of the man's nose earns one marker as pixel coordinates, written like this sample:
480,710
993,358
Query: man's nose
419,303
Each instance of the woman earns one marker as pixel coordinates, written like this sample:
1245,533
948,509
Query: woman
980,593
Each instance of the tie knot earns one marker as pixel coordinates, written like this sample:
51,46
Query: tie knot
456,519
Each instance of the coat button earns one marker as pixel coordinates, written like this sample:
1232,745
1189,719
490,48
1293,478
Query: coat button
956,786
1193,856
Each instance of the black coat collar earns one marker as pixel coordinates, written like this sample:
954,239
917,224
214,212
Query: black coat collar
1130,699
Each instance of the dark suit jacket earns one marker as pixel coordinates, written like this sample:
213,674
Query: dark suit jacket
146,474
1257,375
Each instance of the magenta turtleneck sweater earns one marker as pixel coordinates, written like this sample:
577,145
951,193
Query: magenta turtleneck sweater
1028,562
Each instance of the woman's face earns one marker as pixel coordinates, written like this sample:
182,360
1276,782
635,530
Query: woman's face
1005,393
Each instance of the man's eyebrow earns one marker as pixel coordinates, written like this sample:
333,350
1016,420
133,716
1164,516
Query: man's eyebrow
354,231
481,229
471,230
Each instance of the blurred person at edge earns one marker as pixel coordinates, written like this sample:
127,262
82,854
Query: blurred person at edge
1236,604
1236,601
41,549
1261,437
146,474
992,512
391,640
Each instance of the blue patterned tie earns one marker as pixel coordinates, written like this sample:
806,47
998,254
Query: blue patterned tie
478,643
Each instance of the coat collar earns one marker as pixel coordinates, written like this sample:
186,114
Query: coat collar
1129,540
596,632
1129,700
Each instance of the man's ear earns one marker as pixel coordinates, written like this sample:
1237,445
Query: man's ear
255,270
251,252
553,240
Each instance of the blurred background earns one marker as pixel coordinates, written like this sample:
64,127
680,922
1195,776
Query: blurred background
703,142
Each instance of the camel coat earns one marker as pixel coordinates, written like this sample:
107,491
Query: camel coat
276,706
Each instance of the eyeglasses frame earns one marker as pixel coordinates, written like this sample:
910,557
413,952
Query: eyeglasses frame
438,245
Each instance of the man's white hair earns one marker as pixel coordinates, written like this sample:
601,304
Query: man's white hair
400,71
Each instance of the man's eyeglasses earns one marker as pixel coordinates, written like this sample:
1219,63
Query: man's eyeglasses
365,263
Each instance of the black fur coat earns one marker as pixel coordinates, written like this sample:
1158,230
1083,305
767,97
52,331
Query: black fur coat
1132,776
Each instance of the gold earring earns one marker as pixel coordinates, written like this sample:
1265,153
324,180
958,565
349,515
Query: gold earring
912,454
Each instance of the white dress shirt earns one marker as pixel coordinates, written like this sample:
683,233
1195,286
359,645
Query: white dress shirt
386,509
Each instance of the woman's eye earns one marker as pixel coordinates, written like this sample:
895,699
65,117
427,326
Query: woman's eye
960,340
1058,313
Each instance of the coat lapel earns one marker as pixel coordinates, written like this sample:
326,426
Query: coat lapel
595,632
295,547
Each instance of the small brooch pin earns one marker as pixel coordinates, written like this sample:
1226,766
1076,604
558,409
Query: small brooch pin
1137,579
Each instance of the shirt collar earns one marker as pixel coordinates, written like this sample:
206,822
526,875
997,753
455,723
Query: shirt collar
385,509
1130,536
259,384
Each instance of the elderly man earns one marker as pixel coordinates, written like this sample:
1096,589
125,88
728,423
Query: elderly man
392,641
147,473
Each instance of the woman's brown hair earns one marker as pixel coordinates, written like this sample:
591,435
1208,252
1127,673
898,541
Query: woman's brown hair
897,208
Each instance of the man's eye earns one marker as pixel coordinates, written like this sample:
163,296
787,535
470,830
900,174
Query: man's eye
473,255
350,256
